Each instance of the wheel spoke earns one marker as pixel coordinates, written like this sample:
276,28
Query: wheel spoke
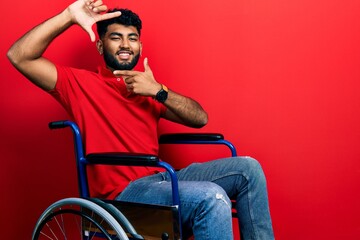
72,219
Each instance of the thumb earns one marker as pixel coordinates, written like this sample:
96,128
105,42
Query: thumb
91,33
146,65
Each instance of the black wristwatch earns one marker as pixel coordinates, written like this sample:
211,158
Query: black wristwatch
162,95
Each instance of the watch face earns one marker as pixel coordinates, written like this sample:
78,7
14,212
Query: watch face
161,96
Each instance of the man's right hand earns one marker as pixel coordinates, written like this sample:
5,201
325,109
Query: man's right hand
87,12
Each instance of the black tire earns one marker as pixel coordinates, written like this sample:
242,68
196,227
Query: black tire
77,218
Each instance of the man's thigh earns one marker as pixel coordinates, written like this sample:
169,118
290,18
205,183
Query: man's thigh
156,190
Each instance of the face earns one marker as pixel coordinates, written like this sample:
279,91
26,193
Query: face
121,47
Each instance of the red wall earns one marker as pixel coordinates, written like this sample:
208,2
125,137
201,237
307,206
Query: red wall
279,78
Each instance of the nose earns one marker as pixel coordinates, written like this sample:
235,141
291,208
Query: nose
124,43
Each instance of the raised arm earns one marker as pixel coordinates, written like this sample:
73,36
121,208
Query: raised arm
180,109
26,54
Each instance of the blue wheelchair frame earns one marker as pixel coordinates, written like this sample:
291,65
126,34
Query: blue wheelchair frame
134,159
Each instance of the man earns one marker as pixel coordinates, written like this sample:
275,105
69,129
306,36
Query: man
118,109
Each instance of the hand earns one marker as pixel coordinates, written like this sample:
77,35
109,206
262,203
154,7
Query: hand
142,83
87,12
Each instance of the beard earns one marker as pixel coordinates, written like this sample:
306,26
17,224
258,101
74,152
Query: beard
112,62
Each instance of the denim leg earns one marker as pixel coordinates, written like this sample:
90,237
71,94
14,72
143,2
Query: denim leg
205,207
204,194
242,178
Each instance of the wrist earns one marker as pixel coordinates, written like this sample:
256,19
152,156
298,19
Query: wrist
162,95
157,89
68,18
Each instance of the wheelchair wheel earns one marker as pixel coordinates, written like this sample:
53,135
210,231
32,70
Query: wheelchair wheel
77,218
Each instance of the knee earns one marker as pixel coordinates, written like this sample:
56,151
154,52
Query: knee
253,164
208,206
250,168
214,198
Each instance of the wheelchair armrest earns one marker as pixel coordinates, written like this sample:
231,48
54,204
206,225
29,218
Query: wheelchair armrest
122,158
189,137
135,159
197,138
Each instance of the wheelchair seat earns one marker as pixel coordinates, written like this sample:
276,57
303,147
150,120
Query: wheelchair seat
109,219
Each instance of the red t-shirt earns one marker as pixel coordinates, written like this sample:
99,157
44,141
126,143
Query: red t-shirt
111,120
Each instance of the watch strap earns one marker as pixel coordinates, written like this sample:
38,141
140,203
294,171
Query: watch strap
164,88
162,95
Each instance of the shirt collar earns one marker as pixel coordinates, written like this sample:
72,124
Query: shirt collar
116,82
105,72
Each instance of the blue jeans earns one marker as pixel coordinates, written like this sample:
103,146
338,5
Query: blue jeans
205,189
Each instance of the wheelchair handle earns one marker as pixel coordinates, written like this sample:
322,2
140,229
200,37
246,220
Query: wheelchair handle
58,124
79,152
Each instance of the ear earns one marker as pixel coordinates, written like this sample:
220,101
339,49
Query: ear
140,48
100,46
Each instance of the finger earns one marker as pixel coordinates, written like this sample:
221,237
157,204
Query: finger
110,15
129,80
146,65
124,73
97,3
101,8
88,2
129,87
91,33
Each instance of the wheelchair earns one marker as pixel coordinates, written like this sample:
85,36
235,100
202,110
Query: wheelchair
91,218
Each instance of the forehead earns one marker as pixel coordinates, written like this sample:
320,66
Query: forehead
122,29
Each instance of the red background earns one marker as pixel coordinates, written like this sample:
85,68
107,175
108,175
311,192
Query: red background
278,78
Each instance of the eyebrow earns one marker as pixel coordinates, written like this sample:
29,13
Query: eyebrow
121,35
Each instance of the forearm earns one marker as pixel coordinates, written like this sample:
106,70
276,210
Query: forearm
185,110
34,43
180,109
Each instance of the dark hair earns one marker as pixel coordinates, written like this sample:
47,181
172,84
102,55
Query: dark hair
127,18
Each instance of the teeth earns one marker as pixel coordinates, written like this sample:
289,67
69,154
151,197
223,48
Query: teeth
124,53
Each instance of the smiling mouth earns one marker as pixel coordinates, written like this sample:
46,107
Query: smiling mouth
124,55
123,51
